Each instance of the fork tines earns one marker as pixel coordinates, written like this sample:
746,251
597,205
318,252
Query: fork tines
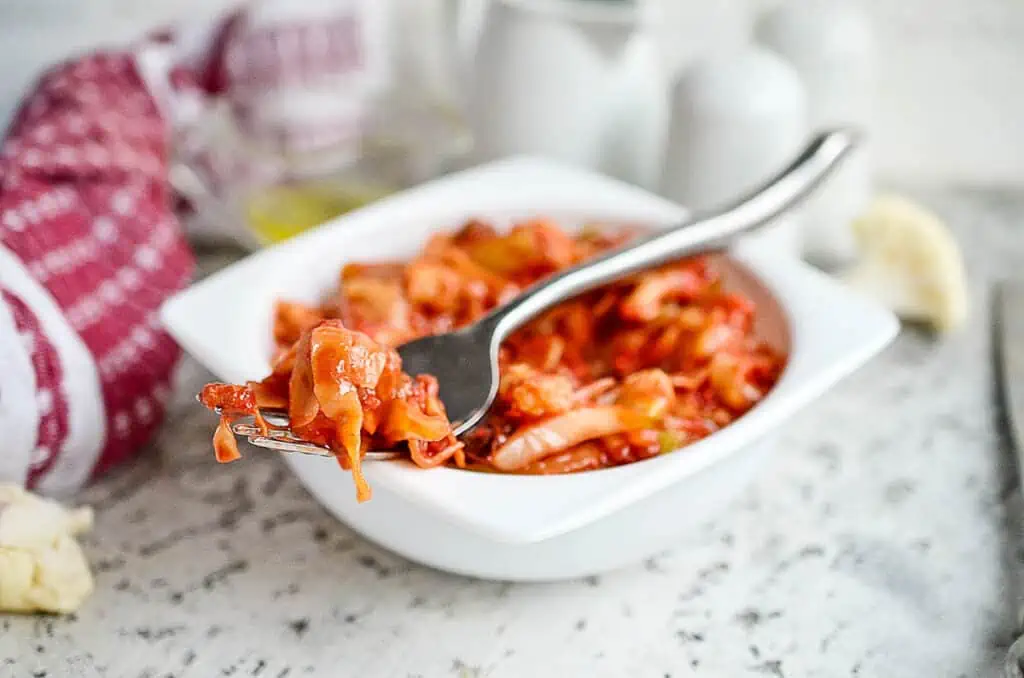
279,438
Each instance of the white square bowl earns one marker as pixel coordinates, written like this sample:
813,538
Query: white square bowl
531,527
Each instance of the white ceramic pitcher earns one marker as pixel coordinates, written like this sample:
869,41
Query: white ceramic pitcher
581,81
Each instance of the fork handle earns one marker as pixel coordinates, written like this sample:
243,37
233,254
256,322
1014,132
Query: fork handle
700,234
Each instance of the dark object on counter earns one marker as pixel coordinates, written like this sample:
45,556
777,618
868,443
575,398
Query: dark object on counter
1009,343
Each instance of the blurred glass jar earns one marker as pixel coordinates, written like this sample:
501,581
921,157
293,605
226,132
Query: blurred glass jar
322,106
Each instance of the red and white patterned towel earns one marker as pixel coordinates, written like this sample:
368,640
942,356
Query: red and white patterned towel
89,249
89,244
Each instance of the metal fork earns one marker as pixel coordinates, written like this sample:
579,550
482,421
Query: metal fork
465,361
281,439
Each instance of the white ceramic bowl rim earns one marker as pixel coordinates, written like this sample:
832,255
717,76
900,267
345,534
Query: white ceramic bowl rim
832,332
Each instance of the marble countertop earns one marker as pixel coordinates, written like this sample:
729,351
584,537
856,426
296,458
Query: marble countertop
876,544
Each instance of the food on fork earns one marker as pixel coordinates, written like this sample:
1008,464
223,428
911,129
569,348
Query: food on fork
629,371
345,391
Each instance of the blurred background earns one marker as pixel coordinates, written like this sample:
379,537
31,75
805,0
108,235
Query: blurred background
950,88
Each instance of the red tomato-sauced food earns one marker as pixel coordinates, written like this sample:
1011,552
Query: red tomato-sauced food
632,370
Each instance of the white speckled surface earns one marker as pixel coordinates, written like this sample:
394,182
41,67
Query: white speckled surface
874,546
